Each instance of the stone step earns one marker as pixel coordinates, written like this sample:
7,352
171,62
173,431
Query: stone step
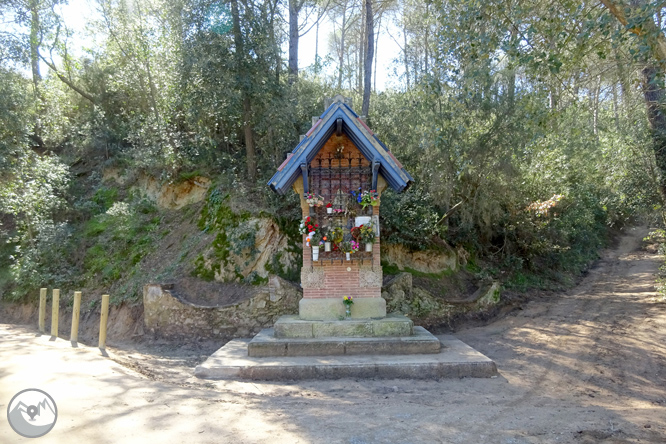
391,326
455,360
265,344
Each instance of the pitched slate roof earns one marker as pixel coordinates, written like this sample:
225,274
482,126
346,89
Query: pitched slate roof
359,133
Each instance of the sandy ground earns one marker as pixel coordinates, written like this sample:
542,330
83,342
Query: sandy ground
586,366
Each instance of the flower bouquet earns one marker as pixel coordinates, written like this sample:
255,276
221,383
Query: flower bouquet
348,301
315,241
369,198
307,226
314,200
337,235
326,238
329,208
367,236
365,198
349,247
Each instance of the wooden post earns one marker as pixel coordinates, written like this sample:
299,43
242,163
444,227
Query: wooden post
42,310
54,313
102,321
74,335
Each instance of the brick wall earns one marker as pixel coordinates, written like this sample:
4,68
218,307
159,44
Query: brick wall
344,277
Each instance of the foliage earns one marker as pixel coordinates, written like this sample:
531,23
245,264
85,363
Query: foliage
367,233
410,219
117,240
500,107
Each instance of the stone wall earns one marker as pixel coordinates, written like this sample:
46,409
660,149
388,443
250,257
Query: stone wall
167,314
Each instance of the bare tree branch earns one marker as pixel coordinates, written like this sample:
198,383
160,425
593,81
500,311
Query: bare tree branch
69,83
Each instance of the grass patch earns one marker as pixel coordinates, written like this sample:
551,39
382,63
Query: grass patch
182,177
105,197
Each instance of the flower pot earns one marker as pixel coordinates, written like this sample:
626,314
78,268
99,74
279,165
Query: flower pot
348,256
329,210
362,220
307,238
368,247
315,253
327,246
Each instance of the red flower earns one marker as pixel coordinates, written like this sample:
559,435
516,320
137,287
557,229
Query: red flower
310,227
316,225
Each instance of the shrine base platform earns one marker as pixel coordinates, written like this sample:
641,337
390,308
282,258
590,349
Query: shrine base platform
266,344
455,359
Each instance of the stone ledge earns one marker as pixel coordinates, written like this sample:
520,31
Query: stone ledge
390,326
455,360
265,344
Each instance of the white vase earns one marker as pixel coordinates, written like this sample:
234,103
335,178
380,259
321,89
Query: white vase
362,220
327,246
348,256
368,247
329,210
315,253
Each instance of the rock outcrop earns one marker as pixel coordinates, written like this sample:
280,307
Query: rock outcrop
427,310
427,261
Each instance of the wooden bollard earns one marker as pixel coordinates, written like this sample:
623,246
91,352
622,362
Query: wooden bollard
54,313
74,335
102,321
42,310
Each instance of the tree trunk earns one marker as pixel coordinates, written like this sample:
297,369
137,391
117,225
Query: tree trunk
293,40
404,33
595,109
616,112
374,75
153,90
425,38
242,82
342,45
36,75
317,49
34,46
624,84
360,60
249,138
370,52
653,89
655,97
511,75
276,46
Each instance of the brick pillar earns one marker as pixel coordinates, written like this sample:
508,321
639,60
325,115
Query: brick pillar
325,283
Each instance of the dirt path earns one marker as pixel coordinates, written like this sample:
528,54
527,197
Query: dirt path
587,366
598,349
